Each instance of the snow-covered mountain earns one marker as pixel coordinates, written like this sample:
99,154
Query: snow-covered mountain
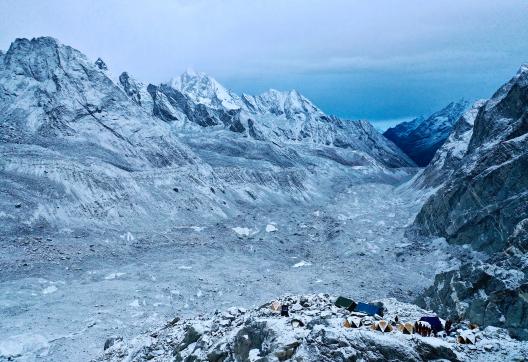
420,138
196,99
484,203
449,157
78,148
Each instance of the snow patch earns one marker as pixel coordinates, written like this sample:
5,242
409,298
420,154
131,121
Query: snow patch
49,290
301,264
113,276
240,231
271,228
30,346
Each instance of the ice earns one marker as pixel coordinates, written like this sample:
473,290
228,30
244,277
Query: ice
113,276
301,264
24,347
50,289
241,231
271,228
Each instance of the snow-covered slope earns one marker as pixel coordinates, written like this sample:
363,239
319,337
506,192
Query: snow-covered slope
420,139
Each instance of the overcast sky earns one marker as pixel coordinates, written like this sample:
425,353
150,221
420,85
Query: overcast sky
375,59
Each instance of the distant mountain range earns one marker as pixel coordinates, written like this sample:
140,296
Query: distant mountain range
421,137
196,99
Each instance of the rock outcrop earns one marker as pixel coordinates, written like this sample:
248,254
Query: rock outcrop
486,198
314,331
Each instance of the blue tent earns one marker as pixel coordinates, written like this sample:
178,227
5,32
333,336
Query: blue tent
369,309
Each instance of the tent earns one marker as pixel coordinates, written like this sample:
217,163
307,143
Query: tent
466,337
406,328
276,306
352,322
284,311
382,326
369,309
343,302
434,322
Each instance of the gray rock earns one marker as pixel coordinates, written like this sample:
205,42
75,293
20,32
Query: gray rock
486,198
111,341
485,294
484,203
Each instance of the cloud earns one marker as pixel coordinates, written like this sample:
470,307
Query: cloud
334,50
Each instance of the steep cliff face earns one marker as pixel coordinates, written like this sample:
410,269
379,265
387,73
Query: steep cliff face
420,138
484,203
486,197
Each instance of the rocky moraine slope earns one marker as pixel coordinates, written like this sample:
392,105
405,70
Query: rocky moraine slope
79,148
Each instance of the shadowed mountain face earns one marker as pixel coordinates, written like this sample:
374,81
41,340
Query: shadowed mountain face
451,155
484,203
420,138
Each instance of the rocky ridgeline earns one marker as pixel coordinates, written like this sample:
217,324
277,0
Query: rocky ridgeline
314,331
484,203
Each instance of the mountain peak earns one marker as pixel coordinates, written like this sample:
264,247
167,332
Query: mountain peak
204,89
190,72
523,69
101,64
40,58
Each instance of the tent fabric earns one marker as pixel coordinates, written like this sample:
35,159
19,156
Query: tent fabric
382,326
343,302
368,309
406,328
434,322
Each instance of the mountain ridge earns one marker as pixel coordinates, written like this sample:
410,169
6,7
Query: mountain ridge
421,137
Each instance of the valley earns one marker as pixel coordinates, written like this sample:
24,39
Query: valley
127,284
126,205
